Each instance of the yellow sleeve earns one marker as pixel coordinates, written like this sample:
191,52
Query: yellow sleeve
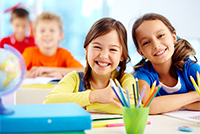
126,81
67,91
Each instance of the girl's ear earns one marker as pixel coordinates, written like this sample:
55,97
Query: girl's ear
121,59
85,50
141,53
174,37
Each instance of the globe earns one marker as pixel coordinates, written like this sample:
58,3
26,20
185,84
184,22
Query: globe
12,73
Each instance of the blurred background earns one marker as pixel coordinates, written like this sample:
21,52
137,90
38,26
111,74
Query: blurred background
79,15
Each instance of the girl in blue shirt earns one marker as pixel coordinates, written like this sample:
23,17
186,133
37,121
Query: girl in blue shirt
166,59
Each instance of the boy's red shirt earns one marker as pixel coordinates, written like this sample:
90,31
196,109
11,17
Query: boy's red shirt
20,46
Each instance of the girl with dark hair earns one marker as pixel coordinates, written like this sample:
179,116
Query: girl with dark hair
106,57
166,59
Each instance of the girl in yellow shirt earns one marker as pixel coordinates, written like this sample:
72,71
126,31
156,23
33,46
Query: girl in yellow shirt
106,56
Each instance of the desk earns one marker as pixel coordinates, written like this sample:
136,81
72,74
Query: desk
160,124
31,96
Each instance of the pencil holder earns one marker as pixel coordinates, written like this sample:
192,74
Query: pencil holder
135,119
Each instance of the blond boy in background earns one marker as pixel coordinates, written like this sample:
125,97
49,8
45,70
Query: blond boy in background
48,59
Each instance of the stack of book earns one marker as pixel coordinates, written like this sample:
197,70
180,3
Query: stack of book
61,118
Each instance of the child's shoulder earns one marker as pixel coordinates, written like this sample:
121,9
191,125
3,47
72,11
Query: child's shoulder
30,38
5,39
31,49
72,76
191,66
147,68
64,52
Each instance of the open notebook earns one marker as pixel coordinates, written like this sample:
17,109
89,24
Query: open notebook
40,80
104,116
193,116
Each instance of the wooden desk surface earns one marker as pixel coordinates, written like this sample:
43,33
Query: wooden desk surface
160,124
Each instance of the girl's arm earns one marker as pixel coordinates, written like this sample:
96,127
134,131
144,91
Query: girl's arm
66,91
168,103
193,106
105,99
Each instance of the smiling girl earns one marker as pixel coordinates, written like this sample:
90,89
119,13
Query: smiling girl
106,49
166,59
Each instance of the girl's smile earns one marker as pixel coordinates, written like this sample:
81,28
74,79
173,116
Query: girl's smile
104,53
103,64
160,52
156,42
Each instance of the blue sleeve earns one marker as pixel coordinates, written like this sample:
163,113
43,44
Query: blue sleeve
144,76
192,70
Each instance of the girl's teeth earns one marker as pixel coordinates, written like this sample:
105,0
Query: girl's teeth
103,64
160,52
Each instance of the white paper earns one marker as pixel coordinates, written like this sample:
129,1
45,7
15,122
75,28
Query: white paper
38,80
193,116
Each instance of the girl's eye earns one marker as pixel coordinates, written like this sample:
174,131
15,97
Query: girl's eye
97,47
52,30
113,49
145,43
161,35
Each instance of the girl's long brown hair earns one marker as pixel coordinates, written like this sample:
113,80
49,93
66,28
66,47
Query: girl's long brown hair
183,48
100,28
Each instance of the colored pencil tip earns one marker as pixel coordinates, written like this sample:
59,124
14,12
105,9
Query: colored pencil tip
117,83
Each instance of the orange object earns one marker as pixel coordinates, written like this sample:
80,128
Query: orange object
31,29
62,58
152,95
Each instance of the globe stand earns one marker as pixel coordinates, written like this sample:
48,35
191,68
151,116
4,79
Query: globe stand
10,51
3,110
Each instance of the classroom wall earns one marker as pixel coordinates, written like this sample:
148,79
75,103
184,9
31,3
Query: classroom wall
183,14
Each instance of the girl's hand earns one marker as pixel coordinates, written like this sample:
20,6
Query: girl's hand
106,95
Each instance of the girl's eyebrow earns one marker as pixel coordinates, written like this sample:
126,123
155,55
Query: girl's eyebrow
160,30
110,45
142,39
96,43
115,46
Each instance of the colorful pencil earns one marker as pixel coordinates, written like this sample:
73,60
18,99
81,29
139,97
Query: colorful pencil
152,87
127,92
198,82
152,96
122,94
141,96
116,91
137,88
134,94
194,84
159,86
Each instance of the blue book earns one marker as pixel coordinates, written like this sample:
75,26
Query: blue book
38,118
78,132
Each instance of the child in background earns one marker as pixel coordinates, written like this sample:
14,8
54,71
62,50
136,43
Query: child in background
48,59
20,23
166,59
106,49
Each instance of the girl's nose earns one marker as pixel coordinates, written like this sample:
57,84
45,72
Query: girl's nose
156,44
104,54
